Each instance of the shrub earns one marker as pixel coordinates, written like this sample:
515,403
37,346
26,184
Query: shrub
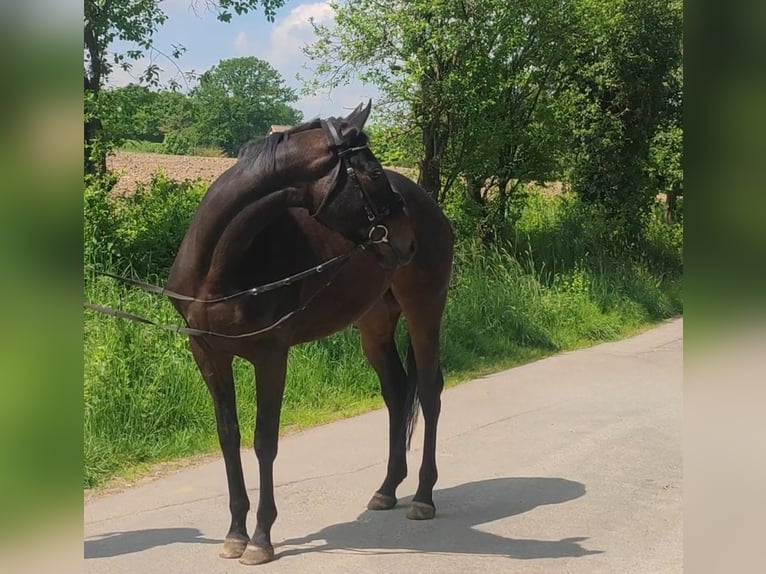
141,231
664,243
181,142
142,146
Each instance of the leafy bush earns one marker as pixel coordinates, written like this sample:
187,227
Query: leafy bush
181,142
141,231
98,223
664,242
141,146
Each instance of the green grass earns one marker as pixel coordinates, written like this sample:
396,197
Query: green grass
145,401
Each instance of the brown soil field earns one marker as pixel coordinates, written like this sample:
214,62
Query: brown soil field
134,168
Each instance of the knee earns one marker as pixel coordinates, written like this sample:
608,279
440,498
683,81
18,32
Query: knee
265,449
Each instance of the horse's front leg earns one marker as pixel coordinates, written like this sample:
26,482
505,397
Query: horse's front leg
271,369
217,372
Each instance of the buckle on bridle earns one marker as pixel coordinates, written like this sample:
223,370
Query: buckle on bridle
383,234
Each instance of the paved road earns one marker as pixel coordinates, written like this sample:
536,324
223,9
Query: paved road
570,464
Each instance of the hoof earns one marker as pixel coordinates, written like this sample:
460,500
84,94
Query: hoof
421,511
233,548
256,555
381,502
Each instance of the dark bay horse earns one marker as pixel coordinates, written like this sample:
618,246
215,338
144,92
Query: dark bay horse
291,202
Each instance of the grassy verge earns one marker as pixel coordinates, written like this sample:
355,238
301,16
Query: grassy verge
145,401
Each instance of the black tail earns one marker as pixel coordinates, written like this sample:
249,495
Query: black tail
412,404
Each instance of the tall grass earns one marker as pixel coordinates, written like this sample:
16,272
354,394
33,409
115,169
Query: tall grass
542,292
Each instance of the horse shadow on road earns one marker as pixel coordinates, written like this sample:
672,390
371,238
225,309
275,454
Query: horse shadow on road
459,510
119,543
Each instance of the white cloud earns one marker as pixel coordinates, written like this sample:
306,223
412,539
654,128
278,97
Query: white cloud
242,45
295,31
284,50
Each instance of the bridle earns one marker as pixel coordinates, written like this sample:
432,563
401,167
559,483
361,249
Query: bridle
377,233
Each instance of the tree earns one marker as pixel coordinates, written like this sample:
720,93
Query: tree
666,148
133,21
395,144
174,111
616,93
239,99
131,114
469,74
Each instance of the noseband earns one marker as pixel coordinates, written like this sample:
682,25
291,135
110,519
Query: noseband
378,233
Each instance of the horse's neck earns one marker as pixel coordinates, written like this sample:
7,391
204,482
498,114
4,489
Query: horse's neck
235,209
240,232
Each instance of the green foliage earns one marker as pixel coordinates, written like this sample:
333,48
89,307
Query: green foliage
181,142
238,100
142,398
394,145
140,232
131,115
98,223
618,88
551,233
472,78
504,94
663,242
235,101
665,156
174,111
139,146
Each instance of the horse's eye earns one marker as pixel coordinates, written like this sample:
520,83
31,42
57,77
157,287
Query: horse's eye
376,173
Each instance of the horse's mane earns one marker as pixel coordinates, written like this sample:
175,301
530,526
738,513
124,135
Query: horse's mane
261,155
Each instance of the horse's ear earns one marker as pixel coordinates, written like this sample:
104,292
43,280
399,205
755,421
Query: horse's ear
359,116
350,117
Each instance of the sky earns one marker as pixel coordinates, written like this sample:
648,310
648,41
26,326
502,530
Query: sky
208,41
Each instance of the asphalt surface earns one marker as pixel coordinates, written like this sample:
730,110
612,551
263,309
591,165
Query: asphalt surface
569,464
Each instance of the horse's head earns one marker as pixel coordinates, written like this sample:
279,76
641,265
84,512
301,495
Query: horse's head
350,193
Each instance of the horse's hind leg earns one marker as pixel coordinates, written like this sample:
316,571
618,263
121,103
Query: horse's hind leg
377,328
270,371
423,324
217,372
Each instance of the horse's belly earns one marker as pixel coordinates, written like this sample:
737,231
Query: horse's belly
348,298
